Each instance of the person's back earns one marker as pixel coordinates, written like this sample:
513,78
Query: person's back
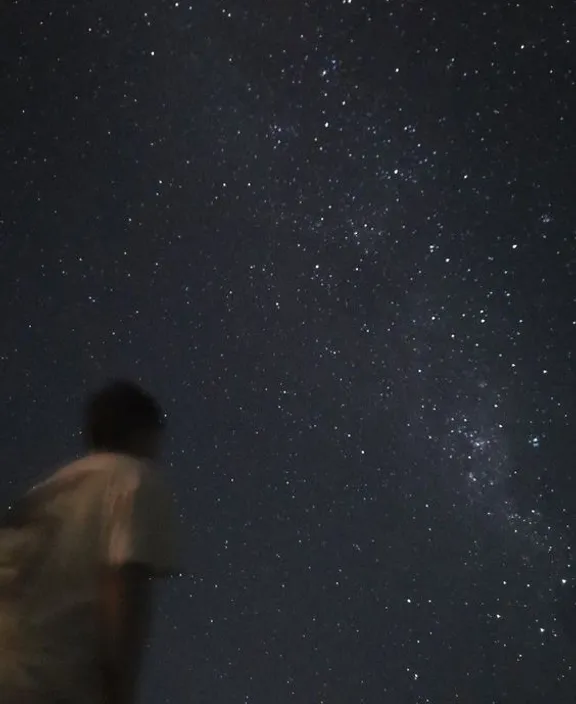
76,554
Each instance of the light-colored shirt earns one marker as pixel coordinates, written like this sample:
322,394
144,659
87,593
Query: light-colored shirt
102,510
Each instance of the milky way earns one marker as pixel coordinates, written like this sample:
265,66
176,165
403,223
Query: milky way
337,240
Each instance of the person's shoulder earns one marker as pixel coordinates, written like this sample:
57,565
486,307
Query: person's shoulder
65,474
84,474
126,473
102,463
123,464
129,474
120,473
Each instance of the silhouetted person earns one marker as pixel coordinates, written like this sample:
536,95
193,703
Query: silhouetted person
76,557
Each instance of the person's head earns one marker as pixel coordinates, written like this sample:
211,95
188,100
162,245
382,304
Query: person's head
123,418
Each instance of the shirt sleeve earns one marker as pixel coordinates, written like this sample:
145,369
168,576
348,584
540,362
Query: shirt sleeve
140,522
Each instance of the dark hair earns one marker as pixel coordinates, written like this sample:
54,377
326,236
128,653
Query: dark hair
118,414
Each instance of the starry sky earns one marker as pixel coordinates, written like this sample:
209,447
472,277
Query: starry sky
337,240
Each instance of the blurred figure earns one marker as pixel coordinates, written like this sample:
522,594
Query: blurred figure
77,554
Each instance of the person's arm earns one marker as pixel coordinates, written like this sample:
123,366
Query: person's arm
138,544
125,609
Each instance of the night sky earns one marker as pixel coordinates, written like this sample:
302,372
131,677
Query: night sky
337,240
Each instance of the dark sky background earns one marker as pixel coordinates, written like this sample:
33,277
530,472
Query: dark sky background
338,240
